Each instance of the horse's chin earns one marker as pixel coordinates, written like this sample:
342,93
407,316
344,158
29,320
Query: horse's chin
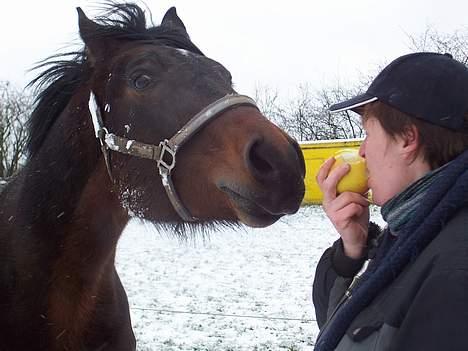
256,220
248,211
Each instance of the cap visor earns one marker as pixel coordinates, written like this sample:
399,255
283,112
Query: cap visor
353,103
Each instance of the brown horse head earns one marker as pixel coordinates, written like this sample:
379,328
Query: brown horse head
149,83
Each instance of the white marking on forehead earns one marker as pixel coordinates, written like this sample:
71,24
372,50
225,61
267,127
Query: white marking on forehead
184,52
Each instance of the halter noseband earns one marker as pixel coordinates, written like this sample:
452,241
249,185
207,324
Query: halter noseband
165,153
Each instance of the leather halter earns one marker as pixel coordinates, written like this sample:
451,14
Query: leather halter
165,153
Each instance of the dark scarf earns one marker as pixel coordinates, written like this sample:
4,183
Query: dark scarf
440,202
399,210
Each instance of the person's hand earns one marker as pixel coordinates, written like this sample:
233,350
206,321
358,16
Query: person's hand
349,212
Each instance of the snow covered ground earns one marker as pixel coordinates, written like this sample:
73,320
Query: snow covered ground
239,289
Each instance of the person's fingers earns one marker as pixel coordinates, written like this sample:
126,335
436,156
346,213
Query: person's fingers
346,198
347,216
324,170
353,210
329,193
334,177
328,180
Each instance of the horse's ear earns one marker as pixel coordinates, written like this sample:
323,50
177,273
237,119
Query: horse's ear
88,31
171,19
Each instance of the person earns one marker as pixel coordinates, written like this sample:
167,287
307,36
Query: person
403,287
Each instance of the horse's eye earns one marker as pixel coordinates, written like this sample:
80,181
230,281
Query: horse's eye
142,81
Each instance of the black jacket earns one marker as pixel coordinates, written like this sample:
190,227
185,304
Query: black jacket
424,308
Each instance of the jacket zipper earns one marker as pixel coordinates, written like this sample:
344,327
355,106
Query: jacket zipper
346,296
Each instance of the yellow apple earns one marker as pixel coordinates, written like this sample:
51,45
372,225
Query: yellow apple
356,179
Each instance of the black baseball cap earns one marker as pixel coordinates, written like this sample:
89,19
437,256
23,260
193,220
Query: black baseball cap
426,85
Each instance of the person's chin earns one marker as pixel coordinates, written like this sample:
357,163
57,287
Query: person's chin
378,199
375,194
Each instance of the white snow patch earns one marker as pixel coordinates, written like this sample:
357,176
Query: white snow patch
182,295
129,199
127,128
129,144
109,138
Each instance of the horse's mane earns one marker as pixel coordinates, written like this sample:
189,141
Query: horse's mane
64,73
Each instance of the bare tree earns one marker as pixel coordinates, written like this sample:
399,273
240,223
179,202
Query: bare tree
15,106
455,43
268,102
307,117
343,125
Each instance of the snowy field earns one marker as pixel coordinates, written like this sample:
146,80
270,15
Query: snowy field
239,289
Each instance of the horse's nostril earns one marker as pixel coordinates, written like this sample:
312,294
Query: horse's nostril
257,159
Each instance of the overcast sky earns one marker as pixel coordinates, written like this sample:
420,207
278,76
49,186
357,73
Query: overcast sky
279,44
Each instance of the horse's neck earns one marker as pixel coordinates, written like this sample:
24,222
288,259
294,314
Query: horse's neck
73,265
62,223
80,222
95,224
70,222
84,271
66,198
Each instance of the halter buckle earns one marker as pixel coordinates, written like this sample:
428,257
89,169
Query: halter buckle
165,166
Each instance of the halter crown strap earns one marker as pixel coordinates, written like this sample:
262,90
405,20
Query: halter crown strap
165,153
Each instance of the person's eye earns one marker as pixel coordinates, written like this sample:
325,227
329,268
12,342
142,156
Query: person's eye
141,82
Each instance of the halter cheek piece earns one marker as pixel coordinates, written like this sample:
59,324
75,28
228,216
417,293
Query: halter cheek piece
165,153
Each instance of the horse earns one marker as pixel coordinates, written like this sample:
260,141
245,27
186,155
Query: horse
138,123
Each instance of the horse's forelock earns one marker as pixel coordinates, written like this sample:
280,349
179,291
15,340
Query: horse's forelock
128,22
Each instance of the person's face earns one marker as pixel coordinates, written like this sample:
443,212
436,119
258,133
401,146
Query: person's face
386,165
